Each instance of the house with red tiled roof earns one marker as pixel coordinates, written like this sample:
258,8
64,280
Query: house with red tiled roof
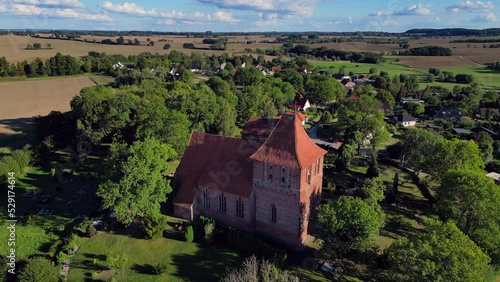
268,189
300,103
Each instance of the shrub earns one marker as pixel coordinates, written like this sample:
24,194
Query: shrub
160,268
373,170
52,172
154,226
91,231
61,257
209,232
189,234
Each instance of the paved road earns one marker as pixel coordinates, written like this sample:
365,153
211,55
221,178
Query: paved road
312,132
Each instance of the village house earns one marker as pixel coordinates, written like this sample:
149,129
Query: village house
448,113
300,103
405,120
269,189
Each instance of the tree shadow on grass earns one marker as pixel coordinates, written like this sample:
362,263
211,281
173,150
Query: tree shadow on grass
208,264
142,269
94,256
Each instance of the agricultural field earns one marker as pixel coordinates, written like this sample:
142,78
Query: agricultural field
13,47
488,79
21,100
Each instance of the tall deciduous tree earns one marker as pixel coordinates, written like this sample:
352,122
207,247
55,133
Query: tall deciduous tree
472,200
135,185
359,118
442,253
416,144
347,224
320,89
453,154
485,144
38,269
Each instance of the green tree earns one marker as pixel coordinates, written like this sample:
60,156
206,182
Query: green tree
117,262
442,253
320,89
253,270
38,269
452,154
189,234
154,226
385,96
359,118
472,200
347,224
485,144
293,77
135,185
414,109
416,145
225,123
154,120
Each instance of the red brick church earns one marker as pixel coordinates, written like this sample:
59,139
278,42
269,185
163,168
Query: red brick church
269,189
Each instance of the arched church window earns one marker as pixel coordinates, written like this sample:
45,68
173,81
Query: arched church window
240,208
273,213
206,198
222,202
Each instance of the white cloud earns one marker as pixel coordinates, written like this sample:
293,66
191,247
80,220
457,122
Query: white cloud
350,20
488,17
413,10
134,9
224,17
60,3
166,22
472,7
267,20
301,8
31,10
128,9
70,13
379,14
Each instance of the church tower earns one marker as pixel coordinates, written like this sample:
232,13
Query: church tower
287,181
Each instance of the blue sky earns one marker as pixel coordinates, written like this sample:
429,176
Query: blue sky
248,15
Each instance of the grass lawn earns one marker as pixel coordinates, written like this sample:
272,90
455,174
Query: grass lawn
102,79
186,261
30,240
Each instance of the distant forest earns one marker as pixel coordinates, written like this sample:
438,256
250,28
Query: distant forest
455,32
408,33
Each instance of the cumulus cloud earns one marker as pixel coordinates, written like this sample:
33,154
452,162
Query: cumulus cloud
128,9
413,10
32,10
488,17
166,22
49,3
267,20
302,8
418,9
472,7
134,9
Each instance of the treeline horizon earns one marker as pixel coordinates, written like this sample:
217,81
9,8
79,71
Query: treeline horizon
408,33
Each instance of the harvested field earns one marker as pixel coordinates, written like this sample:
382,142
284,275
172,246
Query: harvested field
12,47
21,100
